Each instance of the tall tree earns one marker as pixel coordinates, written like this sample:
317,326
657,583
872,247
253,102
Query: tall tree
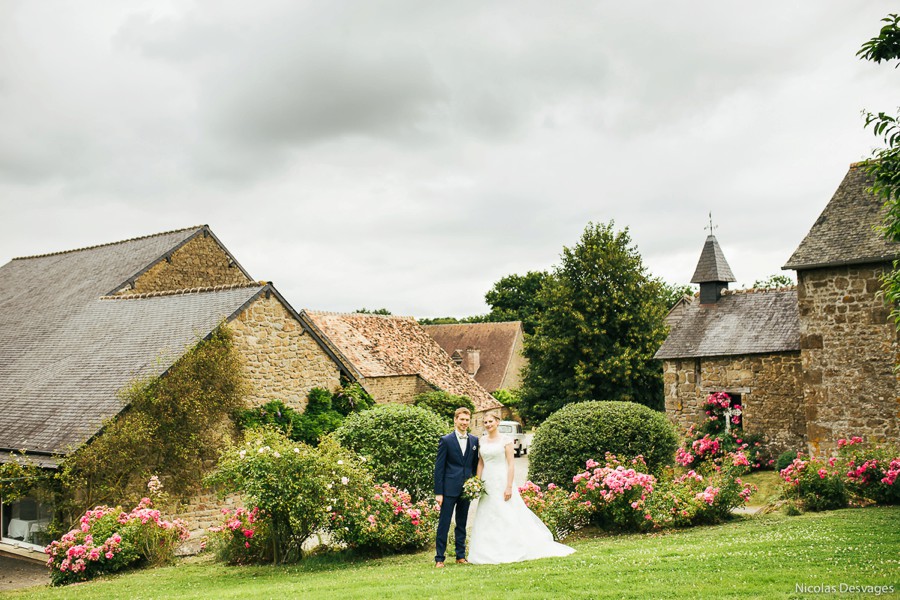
885,162
517,298
603,320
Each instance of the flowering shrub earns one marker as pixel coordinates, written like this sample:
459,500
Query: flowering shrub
714,439
815,484
292,483
859,473
557,508
383,520
242,537
871,473
615,495
109,540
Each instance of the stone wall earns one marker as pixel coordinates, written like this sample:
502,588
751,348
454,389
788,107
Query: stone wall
848,345
199,513
282,361
397,389
201,262
770,386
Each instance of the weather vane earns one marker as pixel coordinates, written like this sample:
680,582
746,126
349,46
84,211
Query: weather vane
711,227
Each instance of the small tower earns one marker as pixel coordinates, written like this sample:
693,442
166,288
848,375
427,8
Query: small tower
712,272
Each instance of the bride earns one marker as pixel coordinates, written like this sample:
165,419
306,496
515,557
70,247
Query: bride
505,530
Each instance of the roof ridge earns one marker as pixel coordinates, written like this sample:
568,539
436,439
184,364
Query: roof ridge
336,313
142,237
785,288
185,291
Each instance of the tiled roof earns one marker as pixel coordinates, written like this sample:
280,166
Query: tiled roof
65,352
741,322
495,342
712,265
846,231
383,346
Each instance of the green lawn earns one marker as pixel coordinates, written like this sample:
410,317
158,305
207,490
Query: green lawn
759,557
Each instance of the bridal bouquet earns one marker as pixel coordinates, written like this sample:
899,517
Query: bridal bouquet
473,488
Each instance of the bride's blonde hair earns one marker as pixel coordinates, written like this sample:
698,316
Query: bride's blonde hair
494,415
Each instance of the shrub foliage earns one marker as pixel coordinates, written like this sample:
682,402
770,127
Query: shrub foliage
400,443
443,404
174,425
579,432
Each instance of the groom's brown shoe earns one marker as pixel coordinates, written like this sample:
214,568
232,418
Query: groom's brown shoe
438,565
461,561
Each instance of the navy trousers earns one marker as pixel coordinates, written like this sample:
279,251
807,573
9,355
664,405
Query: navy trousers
462,514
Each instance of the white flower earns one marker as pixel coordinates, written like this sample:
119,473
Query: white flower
362,458
330,485
277,454
340,462
296,450
242,453
345,480
328,508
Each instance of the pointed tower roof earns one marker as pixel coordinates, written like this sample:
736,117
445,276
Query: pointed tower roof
712,266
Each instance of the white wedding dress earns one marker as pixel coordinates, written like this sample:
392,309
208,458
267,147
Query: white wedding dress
506,531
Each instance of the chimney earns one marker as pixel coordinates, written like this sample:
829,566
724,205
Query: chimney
473,360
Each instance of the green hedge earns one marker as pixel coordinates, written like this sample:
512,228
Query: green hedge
399,443
578,432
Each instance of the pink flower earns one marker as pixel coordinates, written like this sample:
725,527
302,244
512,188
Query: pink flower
823,473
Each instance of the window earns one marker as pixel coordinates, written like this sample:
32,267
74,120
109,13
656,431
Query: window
24,523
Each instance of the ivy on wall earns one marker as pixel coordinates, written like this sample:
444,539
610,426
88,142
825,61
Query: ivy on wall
174,426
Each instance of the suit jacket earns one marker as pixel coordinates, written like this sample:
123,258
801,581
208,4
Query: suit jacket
451,469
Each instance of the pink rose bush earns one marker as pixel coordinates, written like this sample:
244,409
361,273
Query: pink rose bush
242,537
562,511
109,540
621,495
382,520
713,439
616,493
858,474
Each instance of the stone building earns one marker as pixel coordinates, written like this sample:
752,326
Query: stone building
394,359
848,341
491,353
78,326
745,343
810,365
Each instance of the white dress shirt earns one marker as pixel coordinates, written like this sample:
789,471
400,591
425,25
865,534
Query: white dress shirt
463,441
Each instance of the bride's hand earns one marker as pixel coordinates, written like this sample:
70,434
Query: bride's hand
507,494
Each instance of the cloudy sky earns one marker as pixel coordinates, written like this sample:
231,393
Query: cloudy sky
408,154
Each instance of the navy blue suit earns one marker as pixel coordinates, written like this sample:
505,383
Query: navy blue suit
451,469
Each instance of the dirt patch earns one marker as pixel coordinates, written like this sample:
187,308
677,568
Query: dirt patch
18,573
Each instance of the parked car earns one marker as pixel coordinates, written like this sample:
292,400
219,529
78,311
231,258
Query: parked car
514,430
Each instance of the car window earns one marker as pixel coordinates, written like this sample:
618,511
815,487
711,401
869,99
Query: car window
505,428
518,429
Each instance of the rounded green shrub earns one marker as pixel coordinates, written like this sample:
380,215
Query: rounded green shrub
588,430
443,404
399,443
785,459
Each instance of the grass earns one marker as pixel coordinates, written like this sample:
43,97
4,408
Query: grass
769,484
759,557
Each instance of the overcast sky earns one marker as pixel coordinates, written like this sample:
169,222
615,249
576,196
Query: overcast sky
408,154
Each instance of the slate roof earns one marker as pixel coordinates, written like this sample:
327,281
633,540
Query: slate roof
384,346
846,231
741,322
65,351
496,343
712,265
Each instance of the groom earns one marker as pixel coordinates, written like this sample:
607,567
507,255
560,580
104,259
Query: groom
457,459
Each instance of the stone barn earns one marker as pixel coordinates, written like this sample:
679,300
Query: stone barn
745,343
810,365
848,340
394,359
79,326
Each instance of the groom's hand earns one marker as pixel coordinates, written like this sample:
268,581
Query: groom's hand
439,499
